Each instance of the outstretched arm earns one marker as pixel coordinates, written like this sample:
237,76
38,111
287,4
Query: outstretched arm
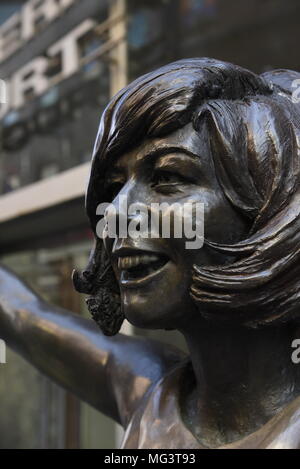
111,374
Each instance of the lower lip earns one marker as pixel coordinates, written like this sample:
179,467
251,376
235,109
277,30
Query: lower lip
138,282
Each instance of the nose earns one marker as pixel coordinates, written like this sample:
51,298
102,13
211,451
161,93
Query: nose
130,205
132,198
133,191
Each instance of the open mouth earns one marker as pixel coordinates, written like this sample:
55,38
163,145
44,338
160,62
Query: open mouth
137,269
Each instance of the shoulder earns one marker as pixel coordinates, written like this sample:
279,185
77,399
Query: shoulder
140,364
157,422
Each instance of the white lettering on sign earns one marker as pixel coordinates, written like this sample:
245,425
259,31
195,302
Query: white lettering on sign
68,47
32,78
21,26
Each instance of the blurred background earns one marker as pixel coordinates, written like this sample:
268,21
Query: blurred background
61,60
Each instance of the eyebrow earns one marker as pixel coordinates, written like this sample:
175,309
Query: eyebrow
155,154
162,151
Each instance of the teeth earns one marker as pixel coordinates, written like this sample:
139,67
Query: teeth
128,262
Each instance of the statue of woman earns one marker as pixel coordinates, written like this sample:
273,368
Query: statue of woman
206,131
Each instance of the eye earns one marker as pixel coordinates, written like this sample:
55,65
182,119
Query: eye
166,178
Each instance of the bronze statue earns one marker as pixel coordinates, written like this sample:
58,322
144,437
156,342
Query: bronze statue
208,131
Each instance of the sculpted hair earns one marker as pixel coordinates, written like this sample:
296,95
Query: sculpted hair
253,129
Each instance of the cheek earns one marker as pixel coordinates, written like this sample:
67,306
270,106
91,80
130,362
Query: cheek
195,215
221,224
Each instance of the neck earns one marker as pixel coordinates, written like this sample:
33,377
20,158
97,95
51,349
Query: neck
242,378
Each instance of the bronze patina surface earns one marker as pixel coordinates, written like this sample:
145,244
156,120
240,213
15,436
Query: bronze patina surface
206,131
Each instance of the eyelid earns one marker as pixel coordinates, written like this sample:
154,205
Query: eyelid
168,168
168,172
181,175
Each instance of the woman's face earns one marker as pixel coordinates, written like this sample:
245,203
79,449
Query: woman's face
154,274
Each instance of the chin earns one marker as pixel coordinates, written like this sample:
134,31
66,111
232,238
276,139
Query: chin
159,311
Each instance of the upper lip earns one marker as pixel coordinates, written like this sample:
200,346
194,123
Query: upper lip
138,247
126,251
128,256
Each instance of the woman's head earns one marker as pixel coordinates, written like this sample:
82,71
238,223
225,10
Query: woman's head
244,129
